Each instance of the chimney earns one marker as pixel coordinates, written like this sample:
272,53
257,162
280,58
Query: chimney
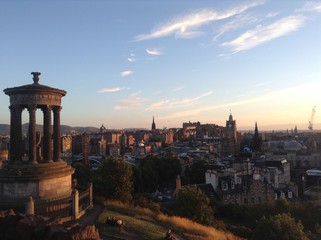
178,182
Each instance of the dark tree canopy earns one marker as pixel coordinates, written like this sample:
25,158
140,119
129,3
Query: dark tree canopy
192,203
114,180
195,174
83,174
158,172
281,226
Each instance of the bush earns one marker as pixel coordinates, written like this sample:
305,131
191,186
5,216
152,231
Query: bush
145,202
281,226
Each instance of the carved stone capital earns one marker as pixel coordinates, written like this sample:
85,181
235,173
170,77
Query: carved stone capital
32,107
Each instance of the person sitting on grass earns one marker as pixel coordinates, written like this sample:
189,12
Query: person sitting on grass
169,235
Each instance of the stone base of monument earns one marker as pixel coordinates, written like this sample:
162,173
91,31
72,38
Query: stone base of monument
44,182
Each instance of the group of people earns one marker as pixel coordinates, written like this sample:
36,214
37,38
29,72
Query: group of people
112,221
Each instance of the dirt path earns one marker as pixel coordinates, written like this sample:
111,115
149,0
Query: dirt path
91,215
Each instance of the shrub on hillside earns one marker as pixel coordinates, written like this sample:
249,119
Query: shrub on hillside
145,202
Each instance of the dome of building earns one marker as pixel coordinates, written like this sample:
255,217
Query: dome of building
292,146
246,150
103,128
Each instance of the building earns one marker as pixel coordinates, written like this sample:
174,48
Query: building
236,188
253,185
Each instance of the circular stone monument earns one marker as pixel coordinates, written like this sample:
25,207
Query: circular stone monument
40,176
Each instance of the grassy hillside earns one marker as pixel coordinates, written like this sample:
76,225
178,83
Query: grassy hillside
141,223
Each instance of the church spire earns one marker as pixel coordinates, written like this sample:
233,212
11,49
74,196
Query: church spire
230,117
153,124
256,130
257,140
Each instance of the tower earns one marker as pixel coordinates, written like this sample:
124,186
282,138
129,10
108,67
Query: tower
231,129
153,124
230,145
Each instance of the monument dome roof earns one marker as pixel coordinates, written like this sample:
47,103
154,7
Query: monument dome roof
34,88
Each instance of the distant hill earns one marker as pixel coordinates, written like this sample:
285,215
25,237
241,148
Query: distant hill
5,129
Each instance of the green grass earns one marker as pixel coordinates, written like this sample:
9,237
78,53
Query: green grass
153,226
144,227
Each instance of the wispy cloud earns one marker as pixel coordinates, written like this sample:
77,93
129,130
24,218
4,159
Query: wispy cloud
164,104
126,73
154,52
262,84
129,103
271,95
111,90
239,21
136,93
131,58
272,14
311,7
263,34
187,26
178,89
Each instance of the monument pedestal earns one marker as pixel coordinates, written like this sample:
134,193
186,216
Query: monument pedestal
44,181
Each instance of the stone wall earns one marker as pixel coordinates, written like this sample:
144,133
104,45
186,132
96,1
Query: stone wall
55,187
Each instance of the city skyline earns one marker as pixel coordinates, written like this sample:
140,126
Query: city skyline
123,62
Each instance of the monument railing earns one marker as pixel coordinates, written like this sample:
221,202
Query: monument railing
71,207
84,200
53,208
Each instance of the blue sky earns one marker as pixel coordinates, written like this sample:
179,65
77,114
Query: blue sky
123,62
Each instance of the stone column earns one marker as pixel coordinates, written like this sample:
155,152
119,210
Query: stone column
15,134
47,134
30,207
56,134
12,134
90,186
75,204
32,134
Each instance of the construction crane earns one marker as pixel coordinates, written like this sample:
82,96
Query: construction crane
311,119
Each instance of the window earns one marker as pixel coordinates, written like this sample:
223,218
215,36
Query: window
282,195
232,185
224,186
245,201
289,194
239,180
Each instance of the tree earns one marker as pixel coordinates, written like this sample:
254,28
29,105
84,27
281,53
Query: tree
192,203
281,226
158,172
148,174
83,174
168,168
114,180
197,172
281,205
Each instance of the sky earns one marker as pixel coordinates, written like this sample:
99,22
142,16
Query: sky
124,62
